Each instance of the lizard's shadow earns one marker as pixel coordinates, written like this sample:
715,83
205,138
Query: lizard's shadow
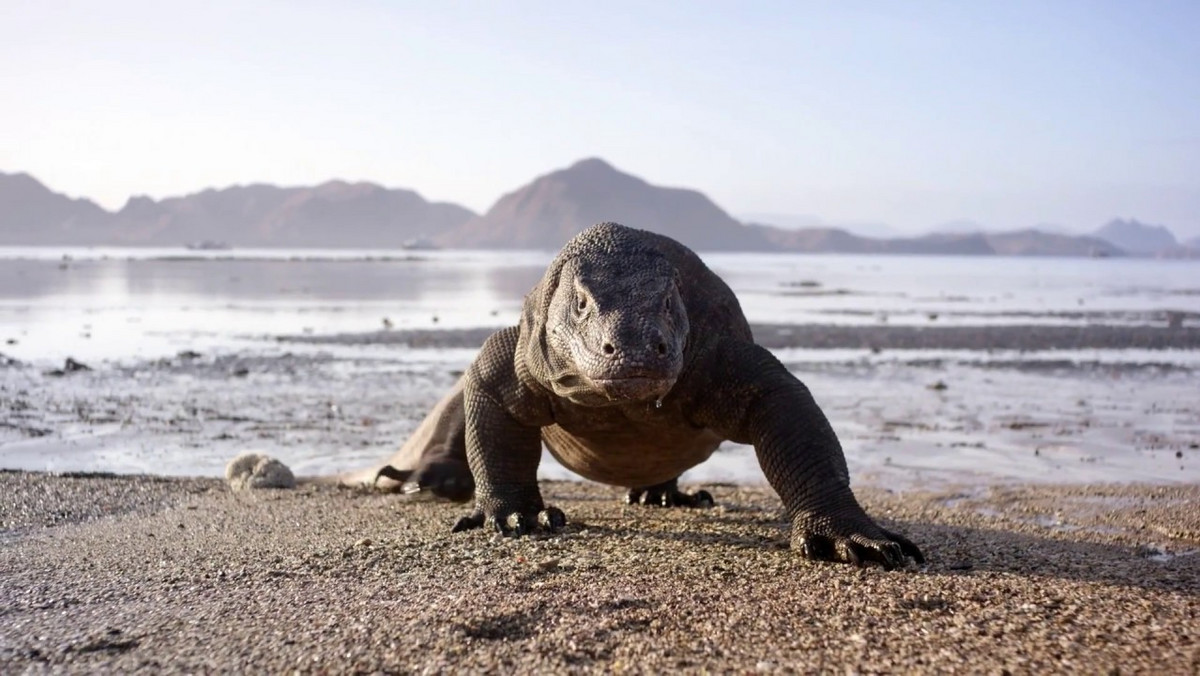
969,550
950,550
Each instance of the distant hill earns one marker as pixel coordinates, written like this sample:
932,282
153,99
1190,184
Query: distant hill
801,221
1037,243
836,240
333,214
1053,228
960,226
1137,237
816,240
788,221
30,213
959,244
548,211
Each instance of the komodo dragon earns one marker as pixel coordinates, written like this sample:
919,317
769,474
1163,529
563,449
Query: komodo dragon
631,363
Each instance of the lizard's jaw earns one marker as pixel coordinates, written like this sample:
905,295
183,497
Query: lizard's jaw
586,391
633,389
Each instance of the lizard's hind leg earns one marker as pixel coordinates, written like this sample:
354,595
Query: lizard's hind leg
667,494
434,459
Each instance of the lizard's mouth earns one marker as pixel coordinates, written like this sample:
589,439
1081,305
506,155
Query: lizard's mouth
633,389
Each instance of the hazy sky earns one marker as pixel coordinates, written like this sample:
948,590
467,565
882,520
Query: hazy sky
1009,113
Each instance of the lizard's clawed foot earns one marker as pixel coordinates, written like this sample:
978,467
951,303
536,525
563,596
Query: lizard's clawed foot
867,545
445,478
514,522
667,494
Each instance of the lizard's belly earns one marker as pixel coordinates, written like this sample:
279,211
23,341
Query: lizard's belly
631,457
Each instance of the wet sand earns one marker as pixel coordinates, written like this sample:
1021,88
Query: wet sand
911,404
1022,337
114,574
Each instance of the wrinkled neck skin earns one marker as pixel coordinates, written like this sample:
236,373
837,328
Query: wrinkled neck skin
607,331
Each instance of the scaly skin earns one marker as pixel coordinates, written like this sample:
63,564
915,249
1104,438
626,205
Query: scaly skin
632,362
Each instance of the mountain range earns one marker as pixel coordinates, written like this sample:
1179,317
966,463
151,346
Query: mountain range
540,215
331,214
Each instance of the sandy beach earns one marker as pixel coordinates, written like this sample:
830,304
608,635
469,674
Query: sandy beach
114,574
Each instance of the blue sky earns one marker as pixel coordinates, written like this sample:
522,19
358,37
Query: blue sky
911,114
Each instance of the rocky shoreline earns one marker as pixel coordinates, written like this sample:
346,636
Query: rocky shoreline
869,337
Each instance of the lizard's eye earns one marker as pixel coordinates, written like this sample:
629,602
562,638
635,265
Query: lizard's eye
582,305
667,304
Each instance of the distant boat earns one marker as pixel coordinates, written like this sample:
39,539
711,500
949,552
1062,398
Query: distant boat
419,244
209,245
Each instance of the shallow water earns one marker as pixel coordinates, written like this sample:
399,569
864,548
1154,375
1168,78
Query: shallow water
114,303
1005,415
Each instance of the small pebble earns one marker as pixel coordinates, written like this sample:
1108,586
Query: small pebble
546,565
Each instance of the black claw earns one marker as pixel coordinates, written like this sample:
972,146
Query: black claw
552,519
848,552
519,524
888,555
906,546
389,472
469,522
817,548
668,496
916,554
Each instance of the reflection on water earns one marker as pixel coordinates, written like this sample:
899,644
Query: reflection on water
170,281
958,289
114,307
116,303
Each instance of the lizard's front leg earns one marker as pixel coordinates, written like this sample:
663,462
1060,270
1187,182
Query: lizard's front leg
803,461
503,454
752,398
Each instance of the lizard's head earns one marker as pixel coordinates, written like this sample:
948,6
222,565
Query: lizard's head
615,329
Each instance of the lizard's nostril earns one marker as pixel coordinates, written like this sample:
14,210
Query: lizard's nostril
662,349
609,349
